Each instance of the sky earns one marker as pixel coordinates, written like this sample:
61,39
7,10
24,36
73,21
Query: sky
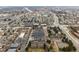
39,3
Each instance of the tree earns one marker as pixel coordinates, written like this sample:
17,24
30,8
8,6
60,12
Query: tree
9,19
63,40
70,43
51,48
29,44
44,46
68,49
26,49
74,49
5,19
49,41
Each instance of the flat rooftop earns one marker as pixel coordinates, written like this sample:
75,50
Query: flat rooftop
22,35
11,50
39,34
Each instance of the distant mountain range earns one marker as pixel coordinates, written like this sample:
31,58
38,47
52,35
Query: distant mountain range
12,8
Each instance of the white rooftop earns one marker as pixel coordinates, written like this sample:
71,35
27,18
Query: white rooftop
11,50
22,35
